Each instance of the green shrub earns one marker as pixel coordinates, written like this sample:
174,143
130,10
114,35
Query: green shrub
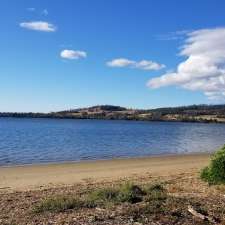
58,204
154,187
205,173
215,172
103,195
155,192
126,193
130,193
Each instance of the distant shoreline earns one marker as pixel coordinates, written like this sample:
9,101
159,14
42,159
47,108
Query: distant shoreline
108,119
48,175
72,118
194,113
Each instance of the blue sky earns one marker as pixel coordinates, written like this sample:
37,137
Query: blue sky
59,55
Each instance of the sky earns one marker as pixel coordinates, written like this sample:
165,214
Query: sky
58,55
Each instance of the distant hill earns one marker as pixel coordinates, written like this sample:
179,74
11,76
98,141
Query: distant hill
97,108
193,113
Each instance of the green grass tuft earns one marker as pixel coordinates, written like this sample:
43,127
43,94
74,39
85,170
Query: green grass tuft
130,193
155,192
103,195
127,192
58,204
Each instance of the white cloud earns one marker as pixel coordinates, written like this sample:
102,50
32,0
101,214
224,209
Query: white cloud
149,65
120,62
204,67
143,64
71,54
39,26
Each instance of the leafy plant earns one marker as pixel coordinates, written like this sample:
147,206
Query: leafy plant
215,172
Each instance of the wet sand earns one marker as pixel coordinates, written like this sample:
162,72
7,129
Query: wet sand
50,175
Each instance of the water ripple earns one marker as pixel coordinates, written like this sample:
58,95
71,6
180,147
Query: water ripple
27,141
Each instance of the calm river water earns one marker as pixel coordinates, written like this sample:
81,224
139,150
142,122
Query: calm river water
29,141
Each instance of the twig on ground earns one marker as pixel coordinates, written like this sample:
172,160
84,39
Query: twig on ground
200,216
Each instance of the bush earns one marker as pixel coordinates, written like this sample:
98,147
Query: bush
130,193
103,195
155,192
215,172
58,204
154,187
127,192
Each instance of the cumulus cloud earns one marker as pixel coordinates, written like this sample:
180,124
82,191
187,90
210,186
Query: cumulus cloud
120,62
38,26
71,54
143,64
204,66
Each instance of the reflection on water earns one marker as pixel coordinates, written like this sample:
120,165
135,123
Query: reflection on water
27,141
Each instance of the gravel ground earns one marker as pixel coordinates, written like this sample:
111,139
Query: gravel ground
185,189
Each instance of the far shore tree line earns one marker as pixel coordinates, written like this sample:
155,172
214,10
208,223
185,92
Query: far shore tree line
194,113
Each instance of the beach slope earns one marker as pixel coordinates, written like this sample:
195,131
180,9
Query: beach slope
50,175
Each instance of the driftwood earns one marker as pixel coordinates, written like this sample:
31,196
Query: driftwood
99,209
201,216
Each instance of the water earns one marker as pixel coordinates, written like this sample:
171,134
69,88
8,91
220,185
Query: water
30,141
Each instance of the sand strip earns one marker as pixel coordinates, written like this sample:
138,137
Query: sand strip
36,176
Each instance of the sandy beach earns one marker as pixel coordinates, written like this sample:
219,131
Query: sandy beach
82,193
50,175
